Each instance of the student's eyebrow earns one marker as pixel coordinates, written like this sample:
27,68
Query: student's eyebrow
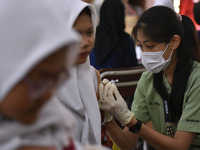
90,28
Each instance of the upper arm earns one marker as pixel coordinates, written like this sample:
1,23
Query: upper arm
98,82
184,139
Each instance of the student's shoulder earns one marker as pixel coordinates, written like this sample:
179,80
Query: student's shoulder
96,73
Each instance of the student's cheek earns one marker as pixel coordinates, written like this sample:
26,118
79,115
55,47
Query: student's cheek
13,103
46,97
92,42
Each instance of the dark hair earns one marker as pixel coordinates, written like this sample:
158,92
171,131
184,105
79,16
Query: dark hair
160,24
87,11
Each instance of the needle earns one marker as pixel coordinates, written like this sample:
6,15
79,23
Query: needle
113,81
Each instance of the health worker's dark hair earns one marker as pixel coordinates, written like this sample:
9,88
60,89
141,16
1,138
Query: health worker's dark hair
160,24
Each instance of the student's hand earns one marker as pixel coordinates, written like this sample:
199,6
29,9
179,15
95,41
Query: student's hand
112,102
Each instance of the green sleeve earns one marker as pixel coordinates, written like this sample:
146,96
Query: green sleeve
190,119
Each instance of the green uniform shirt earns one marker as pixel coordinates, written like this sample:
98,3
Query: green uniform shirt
148,105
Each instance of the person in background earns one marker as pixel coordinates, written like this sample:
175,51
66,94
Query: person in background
80,92
186,8
197,16
113,47
36,53
167,93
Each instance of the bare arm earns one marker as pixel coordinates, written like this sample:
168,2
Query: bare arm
98,82
182,140
124,139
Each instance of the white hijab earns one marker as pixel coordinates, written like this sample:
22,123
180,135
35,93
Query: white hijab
30,31
79,93
167,3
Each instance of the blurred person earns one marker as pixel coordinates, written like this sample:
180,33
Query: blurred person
167,93
80,92
187,8
128,8
35,57
113,48
31,68
197,16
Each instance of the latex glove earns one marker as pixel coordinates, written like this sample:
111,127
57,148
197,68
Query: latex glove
107,116
112,102
105,81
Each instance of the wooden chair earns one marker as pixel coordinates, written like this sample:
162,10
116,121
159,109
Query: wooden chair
127,78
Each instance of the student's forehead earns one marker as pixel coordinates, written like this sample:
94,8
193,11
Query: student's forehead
83,18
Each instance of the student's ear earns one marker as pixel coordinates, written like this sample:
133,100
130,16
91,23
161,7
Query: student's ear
175,42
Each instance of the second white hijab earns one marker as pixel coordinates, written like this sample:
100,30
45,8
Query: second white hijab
79,94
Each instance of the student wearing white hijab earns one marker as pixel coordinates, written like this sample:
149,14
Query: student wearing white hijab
79,94
33,38
36,52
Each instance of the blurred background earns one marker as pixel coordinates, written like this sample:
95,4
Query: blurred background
134,8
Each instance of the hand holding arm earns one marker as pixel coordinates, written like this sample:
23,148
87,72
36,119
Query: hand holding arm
112,102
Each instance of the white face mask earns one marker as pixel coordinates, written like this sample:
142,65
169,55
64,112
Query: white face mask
154,61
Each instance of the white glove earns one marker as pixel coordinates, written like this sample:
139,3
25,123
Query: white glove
112,102
105,81
108,117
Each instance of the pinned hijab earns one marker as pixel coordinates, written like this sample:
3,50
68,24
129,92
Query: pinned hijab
71,10
30,31
110,30
78,94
